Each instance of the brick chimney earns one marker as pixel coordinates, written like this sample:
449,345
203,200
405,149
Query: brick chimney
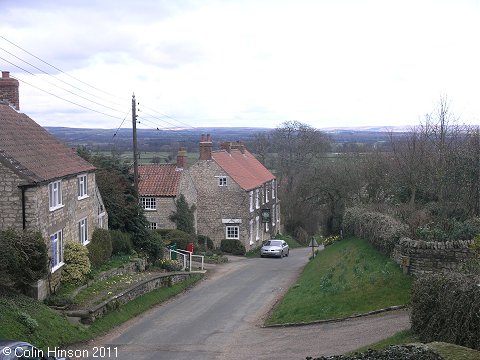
206,147
238,145
182,158
9,89
227,146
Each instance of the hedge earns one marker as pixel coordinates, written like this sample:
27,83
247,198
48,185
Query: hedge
383,231
232,246
446,307
121,242
100,248
77,263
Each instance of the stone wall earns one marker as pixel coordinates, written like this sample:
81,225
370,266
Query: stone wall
162,280
10,199
419,257
38,216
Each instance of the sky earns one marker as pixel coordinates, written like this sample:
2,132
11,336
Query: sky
256,63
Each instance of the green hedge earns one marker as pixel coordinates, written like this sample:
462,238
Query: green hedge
77,263
100,248
179,237
446,307
381,230
232,246
121,242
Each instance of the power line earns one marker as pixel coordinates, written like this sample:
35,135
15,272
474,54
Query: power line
76,79
71,102
56,68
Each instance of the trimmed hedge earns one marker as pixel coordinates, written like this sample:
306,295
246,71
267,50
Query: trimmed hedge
232,246
181,238
77,263
100,248
446,307
383,231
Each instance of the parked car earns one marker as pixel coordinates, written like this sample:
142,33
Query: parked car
13,350
277,248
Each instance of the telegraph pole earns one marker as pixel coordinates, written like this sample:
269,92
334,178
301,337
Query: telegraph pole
135,154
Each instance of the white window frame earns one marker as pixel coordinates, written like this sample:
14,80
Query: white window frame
149,203
274,214
56,240
100,221
278,214
55,198
82,186
251,232
222,180
273,189
257,225
152,225
257,198
83,231
232,228
250,194
266,227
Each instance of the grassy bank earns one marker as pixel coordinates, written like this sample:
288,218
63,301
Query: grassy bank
348,277
29,320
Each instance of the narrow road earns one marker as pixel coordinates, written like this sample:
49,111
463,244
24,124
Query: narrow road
221,317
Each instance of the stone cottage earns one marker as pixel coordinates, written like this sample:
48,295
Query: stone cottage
159,187
44,185
237,195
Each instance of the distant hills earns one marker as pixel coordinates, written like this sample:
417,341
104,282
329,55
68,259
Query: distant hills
164,140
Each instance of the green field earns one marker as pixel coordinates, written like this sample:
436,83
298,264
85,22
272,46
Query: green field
147,157
349,277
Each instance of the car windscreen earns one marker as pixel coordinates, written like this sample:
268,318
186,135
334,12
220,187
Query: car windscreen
273,243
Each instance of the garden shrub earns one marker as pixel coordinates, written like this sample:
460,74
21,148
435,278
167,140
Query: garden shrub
150,243
179,237
170,265
30,323
100,248
445,307
232,246
121,242
23,258
381,230
77,263
201,241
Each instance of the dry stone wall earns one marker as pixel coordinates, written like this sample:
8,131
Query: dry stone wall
420,257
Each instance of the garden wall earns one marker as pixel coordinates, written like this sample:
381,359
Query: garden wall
162,280
420,257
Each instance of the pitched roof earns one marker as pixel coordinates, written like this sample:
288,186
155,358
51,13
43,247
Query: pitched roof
34,153
158,180
243,168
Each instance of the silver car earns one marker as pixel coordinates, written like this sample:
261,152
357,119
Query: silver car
14,350
277,248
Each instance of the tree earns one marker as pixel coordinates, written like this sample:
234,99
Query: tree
184,216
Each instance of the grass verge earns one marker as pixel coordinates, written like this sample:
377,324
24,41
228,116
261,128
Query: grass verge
18,311
349,277
400,338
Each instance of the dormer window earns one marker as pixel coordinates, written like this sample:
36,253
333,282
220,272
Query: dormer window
222,180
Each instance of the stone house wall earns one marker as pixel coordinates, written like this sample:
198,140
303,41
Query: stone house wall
217,204
419,257
38,216
10,199
165,205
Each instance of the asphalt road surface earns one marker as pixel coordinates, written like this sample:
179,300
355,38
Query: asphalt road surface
221,318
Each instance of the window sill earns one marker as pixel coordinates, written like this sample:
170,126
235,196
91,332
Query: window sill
83,197
149,209
56,208
57,267
85,243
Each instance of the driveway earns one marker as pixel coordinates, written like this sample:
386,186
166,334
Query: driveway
221,318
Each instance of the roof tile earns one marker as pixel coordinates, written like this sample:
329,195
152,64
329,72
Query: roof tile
243,168
158,180
33,152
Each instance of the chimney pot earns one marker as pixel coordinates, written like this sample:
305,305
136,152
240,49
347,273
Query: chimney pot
206,147
9,89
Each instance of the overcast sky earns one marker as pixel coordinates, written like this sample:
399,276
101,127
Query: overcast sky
243,63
